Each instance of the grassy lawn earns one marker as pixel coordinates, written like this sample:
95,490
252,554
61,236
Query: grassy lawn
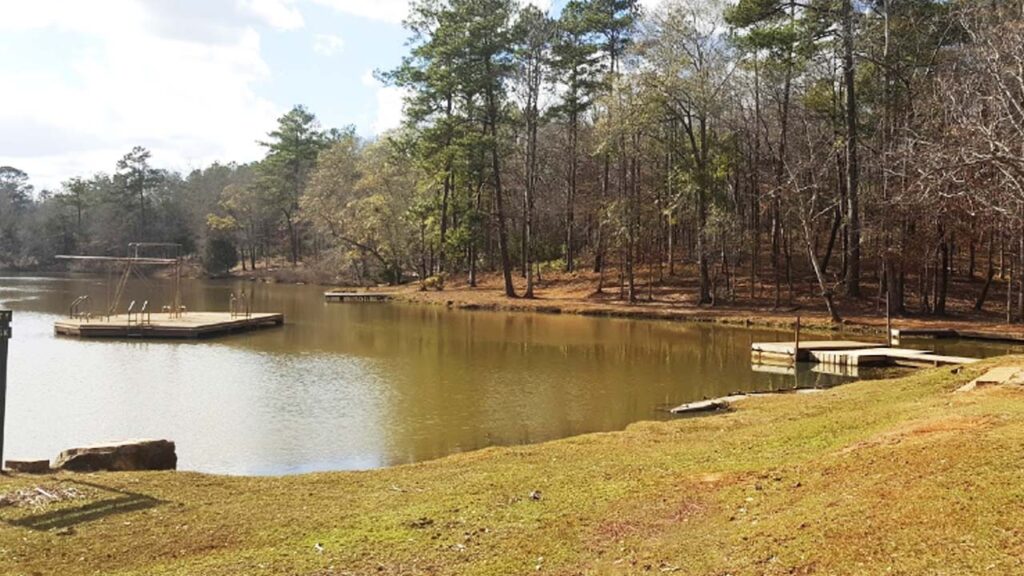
895,476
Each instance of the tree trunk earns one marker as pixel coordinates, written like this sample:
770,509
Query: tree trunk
852,165
499,201
990,273
570,201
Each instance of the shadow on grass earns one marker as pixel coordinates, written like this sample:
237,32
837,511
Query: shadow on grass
121,502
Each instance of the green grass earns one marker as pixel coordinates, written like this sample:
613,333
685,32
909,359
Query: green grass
894,476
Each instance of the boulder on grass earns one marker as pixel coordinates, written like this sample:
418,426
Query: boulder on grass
125,456
28,466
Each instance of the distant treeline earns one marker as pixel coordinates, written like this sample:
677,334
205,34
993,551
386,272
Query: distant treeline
746,144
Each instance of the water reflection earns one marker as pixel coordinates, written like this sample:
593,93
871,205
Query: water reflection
353,386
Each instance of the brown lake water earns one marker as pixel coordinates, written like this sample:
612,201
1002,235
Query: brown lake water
356,386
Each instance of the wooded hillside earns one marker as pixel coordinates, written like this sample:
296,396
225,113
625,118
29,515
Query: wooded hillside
874,147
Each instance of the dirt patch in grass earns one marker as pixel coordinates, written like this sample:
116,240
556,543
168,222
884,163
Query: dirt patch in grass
912,430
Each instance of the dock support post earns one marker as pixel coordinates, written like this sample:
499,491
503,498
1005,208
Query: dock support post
5,335
796,341
888,322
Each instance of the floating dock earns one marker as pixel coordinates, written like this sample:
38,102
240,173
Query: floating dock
847,353
358,296
787,353
188,325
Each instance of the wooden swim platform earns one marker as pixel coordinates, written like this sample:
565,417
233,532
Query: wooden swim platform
358,296
188,325
848,353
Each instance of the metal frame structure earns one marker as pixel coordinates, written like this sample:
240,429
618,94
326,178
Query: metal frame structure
134,259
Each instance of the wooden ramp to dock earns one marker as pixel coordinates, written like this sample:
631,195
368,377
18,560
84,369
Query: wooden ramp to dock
848,354
187,325
358,296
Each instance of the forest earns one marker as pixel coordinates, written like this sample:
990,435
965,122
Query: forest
752,150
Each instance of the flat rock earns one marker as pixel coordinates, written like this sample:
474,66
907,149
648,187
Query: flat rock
124,456
712,405
28,466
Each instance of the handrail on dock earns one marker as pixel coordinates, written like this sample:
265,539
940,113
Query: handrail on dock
239,306
73,310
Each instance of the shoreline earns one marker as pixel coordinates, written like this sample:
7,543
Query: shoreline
811,320
761,489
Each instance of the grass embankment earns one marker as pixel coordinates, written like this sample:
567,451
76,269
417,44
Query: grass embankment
897,476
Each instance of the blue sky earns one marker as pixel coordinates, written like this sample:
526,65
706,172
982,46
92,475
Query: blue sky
196,81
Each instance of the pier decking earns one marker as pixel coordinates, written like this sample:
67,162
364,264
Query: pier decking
848,353
357,296
788,352
188,325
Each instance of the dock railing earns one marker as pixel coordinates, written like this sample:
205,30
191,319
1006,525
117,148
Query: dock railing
239,306
75,310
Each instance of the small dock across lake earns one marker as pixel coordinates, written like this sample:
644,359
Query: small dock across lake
938,333
187,325
358,296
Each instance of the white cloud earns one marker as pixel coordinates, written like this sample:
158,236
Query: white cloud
389,101
185,92
327,44
281,14
393,11
385,10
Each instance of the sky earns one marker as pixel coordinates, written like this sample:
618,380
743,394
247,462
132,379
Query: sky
195,81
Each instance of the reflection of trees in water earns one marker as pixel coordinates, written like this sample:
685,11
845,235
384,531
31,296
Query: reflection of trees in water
361,385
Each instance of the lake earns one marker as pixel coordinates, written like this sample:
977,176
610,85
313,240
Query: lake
354,386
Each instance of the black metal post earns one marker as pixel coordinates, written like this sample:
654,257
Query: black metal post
5,335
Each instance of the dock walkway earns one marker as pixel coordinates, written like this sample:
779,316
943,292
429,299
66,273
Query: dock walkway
358,296
848,353
188,325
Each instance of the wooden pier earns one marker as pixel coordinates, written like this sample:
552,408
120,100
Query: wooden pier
187,325
787,353
847,353
358,296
